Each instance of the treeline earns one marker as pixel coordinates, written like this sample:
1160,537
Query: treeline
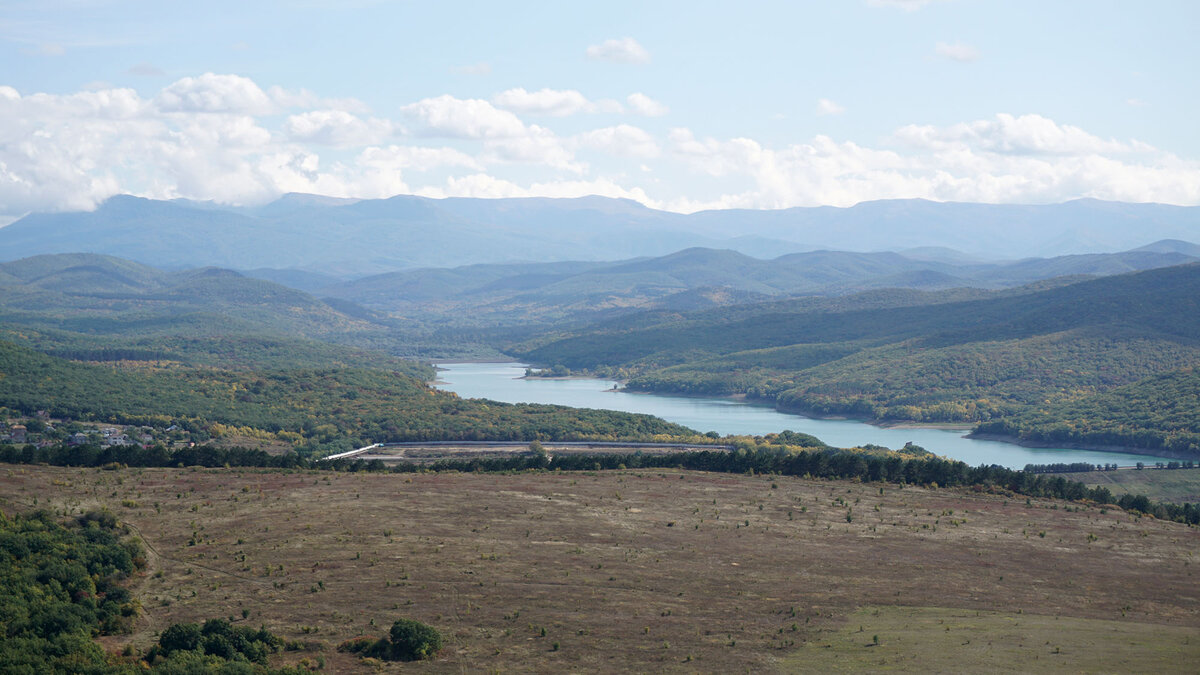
1084,467
1073,467
769,459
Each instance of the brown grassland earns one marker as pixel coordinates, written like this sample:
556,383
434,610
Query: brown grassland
650,571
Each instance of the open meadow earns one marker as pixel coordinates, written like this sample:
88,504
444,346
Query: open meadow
649,570
1161,485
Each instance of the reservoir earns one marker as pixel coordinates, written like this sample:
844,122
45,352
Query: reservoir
503,382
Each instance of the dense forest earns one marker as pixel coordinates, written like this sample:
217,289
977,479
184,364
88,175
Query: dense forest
1097,352
318,410
60,586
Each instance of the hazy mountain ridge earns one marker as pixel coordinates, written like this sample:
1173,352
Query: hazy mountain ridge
206,315
508,294
354,238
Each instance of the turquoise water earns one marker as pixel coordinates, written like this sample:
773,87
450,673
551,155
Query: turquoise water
501,382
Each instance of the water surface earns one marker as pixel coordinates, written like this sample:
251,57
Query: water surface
502,382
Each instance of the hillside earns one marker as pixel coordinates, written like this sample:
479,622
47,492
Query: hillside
991,357
86,303
354,238
317,410
694,278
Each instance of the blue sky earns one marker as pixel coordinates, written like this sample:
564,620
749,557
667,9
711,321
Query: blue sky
680,105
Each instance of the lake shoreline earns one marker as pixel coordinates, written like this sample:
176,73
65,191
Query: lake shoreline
740,415
1129,450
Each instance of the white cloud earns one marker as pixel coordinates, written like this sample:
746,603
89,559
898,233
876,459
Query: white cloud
490,187
303,98
1009,134
336,128
538,145
963,53
1027,159
622,140
623,50
397,157
214,93
644,105
223,138
827,107
1136,102
463,118
552,102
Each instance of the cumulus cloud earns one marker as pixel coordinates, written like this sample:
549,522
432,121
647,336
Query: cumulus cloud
958,51
223,138
827,107
398,157
552,102
336,128
622,140
538,145
214,93
623,50
463,118
303,98
644,105
1009,134
1027,159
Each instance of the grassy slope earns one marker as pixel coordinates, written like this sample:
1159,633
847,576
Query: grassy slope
643,571
1178,486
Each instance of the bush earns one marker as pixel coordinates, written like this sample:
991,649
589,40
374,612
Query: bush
413,641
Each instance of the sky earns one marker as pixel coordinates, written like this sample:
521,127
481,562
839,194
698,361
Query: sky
679,105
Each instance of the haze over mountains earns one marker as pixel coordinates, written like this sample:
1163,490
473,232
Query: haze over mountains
697,278
354,238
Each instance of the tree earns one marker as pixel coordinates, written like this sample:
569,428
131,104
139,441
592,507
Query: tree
413,641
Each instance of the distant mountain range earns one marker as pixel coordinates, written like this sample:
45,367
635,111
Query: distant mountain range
347,239
698,278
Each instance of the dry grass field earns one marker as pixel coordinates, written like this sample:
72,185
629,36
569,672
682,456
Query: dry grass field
650,571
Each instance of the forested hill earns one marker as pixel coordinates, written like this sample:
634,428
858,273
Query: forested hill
696,278
100,308
986,358
1163,303
317,410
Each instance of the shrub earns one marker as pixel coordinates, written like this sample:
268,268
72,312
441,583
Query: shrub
413,641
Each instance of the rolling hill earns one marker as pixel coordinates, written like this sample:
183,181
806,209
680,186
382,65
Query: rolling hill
694,278
928,357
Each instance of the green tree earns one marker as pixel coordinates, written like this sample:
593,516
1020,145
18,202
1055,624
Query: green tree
413,641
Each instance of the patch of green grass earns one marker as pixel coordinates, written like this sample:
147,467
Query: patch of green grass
1177,486
940,640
